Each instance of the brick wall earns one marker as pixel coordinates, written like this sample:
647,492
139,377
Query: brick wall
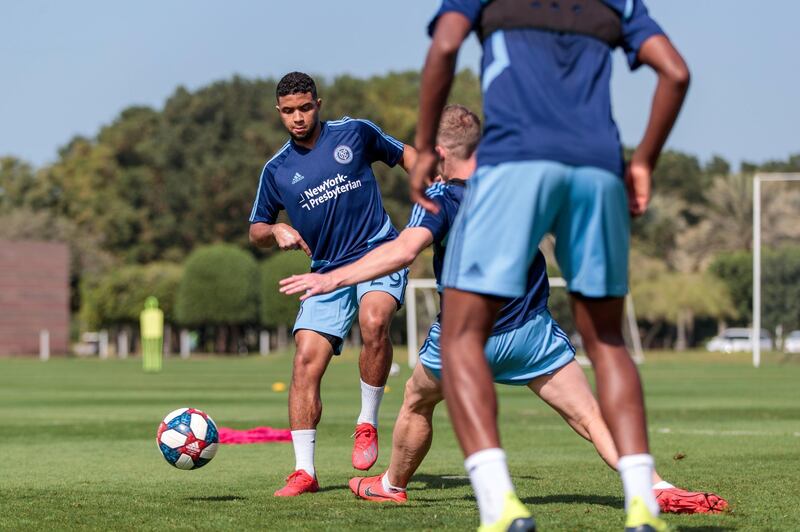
34,295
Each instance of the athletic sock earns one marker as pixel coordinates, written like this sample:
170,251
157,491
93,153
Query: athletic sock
303,442
387,486
370,403
490,480
636,471
663,485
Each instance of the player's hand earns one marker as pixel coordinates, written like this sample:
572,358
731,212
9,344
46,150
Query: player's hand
309,283
421,178
637,182
288,238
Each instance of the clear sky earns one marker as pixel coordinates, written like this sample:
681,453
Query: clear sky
68,67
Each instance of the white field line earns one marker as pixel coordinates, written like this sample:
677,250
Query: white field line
709,432
668,430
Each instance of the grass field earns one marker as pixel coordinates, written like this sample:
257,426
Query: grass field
78,448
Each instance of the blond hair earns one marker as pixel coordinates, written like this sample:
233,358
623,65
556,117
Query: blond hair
459,131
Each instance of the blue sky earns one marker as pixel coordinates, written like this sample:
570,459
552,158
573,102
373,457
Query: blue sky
68,67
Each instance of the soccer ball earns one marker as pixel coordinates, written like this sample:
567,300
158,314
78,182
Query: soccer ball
188,438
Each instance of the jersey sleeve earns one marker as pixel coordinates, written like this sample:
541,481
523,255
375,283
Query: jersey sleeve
439,223
469,8
268,200
378,145
637,27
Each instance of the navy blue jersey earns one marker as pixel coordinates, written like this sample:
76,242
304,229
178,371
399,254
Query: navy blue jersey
546,94
329,192
448,197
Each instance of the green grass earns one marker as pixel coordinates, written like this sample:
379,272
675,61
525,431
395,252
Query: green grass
78,448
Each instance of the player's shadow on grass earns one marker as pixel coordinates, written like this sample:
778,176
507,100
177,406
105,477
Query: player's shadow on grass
600,500
705,528
334,488
217,498
441,482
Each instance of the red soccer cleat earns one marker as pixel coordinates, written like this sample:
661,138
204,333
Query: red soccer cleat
678,501
371,489
298,483
365,448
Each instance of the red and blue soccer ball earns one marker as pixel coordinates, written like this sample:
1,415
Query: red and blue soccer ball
188,438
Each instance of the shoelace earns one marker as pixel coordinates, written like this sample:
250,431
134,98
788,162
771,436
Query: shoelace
361,433
294,476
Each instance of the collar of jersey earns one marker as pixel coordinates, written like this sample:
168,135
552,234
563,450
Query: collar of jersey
302,149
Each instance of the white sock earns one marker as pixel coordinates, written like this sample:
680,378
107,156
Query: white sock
663,485
370,403
490,480
387,486
303,442
636,471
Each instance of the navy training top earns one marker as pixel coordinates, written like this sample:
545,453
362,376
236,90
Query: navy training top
329,192
546,94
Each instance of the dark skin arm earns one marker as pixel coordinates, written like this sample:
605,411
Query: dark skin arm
658,53
437,78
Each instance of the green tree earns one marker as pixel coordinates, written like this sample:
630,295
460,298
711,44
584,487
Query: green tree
278,311
780,285
218,289
87,257
118,297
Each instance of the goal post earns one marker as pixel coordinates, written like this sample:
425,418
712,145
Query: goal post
412,320
755,334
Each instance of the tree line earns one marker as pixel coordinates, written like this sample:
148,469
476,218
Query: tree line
153,186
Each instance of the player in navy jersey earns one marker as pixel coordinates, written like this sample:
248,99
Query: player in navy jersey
550,161
322,178
526,347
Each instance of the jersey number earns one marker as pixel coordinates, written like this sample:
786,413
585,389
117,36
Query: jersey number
396,280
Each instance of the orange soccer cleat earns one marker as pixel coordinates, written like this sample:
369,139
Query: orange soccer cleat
678,501
365,446
371,489
298,483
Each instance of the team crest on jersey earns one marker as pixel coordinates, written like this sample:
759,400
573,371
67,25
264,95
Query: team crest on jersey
343,154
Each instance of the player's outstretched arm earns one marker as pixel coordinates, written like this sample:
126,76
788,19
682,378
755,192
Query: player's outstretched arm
409,158
284,236
381,261
673,82
437,77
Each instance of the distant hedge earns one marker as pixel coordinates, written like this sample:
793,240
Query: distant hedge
219,287
278,309
118,297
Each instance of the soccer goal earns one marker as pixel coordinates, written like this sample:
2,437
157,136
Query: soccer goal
757,180
421,313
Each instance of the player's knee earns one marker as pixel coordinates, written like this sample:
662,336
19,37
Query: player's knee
306,365
374,327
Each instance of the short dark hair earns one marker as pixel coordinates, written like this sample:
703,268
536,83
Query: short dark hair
296,83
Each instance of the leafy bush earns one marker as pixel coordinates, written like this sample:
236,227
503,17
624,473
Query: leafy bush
278,309
218,287
118,297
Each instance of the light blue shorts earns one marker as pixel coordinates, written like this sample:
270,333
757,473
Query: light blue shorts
508,208
518,356
333,314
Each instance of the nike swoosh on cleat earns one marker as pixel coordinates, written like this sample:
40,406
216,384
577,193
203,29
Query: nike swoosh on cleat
369,493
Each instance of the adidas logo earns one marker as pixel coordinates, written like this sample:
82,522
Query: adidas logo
474,271
297,177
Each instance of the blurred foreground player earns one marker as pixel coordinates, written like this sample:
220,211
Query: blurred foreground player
550,161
